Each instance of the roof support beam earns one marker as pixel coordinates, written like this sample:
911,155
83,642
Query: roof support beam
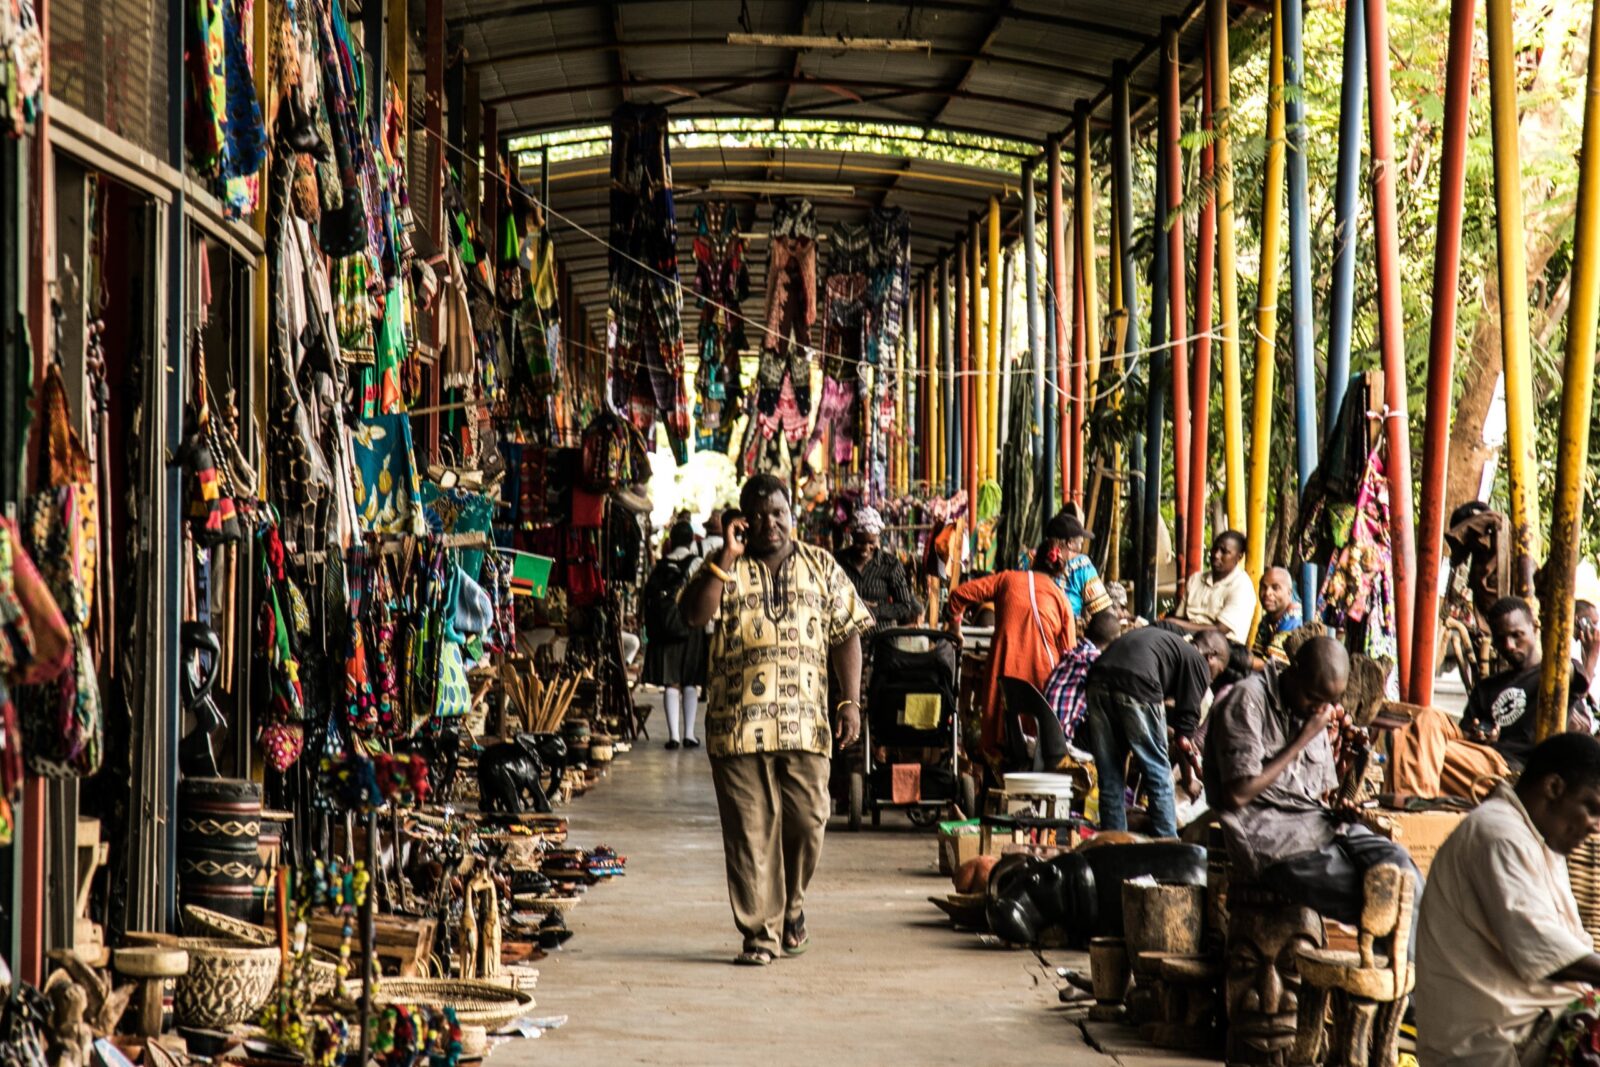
724,84
624,78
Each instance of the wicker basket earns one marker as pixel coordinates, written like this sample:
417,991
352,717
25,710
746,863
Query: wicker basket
203,922
476,1003
227,982
1583,868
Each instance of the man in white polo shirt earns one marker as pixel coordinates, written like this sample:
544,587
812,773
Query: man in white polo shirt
1222,598
1501,949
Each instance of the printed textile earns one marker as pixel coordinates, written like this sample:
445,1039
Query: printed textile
645,297
386,486
1359,589
722,282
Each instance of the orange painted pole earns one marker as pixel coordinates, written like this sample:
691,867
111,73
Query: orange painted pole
1204,279
1391,333
1441,346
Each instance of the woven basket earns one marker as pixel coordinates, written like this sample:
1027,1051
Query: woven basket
203,922
476,1003
227,982
1583,868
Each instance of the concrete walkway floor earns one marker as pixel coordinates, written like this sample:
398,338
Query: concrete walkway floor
647,978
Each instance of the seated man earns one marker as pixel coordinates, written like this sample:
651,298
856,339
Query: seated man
1222,598
1065,689
1433,757
1501,946
1128,688
1269,770
1280,616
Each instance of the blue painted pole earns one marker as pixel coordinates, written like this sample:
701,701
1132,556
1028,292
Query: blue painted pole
1030,256
1300,320
1155,414
1346,204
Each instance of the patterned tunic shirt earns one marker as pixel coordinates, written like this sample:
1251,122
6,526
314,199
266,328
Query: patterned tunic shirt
767,687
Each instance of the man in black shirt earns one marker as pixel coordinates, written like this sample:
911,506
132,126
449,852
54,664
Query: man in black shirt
1501,709
1127,691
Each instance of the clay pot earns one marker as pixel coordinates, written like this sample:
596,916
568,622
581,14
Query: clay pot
1109,969
973,875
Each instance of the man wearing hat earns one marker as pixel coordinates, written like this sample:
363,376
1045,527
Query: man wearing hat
1080,581
879,576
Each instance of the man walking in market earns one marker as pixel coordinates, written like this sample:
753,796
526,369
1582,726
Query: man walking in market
783,613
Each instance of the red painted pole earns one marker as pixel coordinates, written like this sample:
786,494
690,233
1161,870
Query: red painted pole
1204,277
1058,283
1178,302
1391,332
1080,365
1441,347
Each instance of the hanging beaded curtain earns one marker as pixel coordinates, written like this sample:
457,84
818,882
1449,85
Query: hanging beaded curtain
646,299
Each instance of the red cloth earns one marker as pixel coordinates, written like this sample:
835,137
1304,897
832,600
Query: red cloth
1020,650
588,509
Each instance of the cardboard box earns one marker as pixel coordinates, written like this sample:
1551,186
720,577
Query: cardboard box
960,841
1421,832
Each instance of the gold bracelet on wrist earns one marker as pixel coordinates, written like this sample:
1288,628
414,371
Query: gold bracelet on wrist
720,574
841,705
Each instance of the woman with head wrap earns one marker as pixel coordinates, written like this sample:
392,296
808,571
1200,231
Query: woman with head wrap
879,576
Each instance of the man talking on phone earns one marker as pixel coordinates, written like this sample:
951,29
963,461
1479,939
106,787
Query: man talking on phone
783,612
1270,773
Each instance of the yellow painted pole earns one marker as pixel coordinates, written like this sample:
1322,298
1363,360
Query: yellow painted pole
1084,182
980,358
1227,268
1513,297
995,375
1266,307
1577,398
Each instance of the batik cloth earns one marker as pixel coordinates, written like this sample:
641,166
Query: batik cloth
836,411
1359,588
245,144
386,487
767,685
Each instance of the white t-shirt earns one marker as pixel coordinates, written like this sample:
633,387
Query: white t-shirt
1498,916
1229,603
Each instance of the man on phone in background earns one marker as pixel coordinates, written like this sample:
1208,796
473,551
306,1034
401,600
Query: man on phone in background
784,613
1500,709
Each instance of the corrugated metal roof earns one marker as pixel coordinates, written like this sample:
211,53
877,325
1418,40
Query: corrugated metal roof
997,67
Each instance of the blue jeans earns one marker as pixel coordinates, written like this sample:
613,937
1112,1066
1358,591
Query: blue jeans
1331,880
1118,725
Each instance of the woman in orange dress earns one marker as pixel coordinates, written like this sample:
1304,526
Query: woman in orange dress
1032,628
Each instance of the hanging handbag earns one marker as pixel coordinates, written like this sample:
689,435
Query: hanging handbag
62,720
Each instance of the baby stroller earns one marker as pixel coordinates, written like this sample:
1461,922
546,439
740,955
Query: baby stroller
911,712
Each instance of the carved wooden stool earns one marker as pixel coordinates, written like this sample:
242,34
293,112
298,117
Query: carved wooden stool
1368,989
1187,998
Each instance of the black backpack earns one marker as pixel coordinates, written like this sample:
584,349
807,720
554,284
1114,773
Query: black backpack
662,617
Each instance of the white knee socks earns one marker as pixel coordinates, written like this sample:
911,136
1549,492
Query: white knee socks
674,698
691,705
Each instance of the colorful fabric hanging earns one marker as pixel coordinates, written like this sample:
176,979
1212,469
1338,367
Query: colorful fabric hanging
206,103
645,297
245,135
722,281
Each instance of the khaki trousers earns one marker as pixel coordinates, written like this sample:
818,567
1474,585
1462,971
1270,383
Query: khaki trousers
1431,758
774,808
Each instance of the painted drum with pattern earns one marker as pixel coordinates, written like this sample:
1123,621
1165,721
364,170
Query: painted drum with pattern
221,814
